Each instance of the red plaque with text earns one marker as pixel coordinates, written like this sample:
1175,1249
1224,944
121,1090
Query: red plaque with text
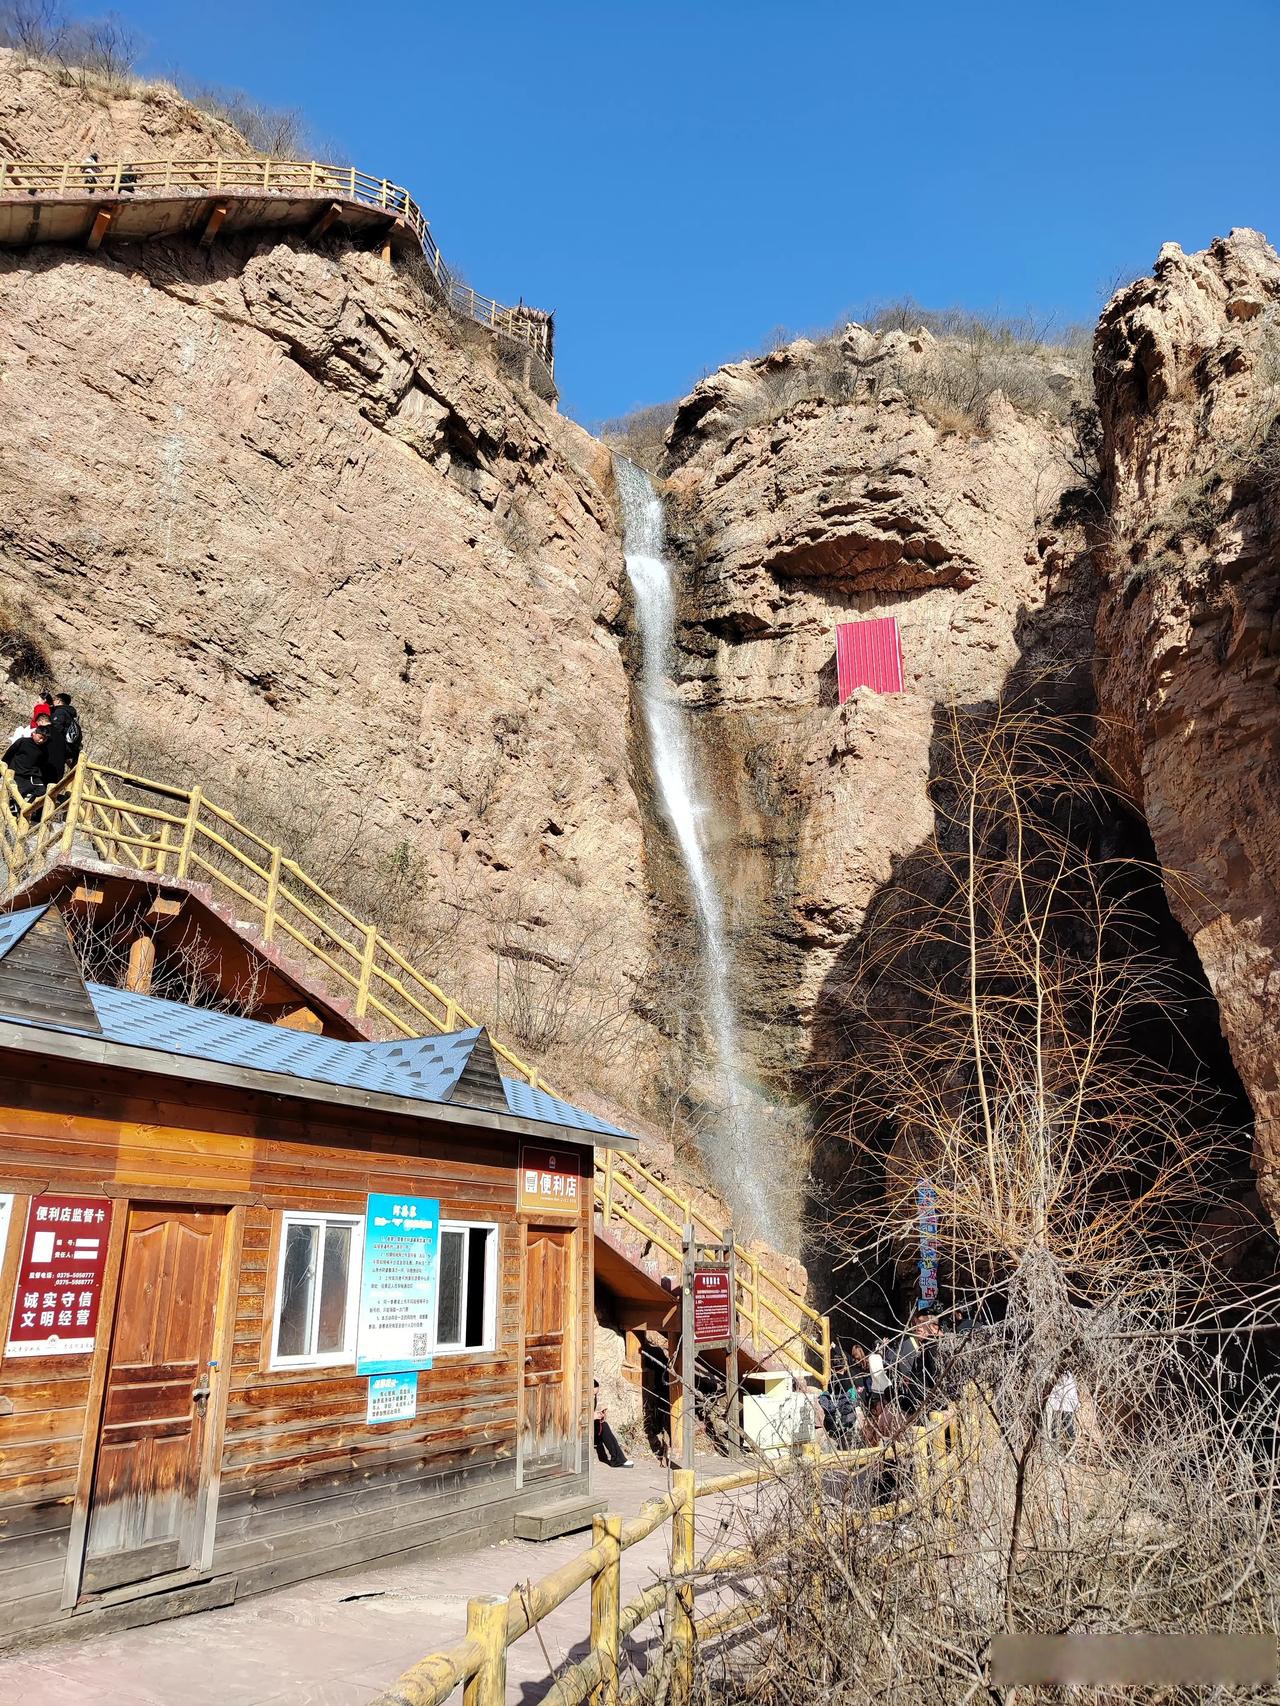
59,1286
712,1306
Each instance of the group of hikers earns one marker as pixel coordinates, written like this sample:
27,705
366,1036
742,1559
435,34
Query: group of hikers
874,1395
41,752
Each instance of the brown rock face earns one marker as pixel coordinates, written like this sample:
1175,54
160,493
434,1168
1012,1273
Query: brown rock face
792,518
288,536
1188,373
46,115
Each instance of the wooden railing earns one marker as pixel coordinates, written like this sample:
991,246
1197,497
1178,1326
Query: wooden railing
286,180
165,832
928,1460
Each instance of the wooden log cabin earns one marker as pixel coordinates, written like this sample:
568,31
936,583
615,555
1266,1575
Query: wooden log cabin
274,1303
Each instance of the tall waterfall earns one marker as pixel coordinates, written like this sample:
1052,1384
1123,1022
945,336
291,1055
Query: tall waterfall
730,1161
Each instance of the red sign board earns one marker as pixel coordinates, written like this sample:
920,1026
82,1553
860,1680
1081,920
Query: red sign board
712,1306
59,1288
549,1179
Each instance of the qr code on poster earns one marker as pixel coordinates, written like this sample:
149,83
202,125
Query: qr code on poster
422,1344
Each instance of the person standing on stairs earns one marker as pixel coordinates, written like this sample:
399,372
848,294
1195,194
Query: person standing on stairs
608,1449
26,759
65,735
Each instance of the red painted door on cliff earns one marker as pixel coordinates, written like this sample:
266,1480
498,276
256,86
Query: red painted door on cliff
147,1505
549,1425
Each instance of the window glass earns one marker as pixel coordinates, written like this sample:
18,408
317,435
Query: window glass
449,1306
477,1270
467,1288
297,1289
319,1274
334,1276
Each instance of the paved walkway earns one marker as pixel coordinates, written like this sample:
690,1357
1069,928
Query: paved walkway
338,1640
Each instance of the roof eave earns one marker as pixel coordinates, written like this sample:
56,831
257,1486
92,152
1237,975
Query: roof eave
100,1051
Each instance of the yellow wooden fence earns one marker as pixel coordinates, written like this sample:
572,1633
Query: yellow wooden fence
290,180
100,813
929,1458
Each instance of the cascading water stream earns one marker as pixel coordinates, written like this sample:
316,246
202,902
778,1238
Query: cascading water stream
674,771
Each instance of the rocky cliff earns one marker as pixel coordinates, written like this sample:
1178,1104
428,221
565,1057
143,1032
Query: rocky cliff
283,527
1188,376
286,526
811,487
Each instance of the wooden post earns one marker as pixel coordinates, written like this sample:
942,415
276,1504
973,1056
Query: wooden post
607,1205
675,1388
683,1543
688,1352
46,817
366,970
920,1450
189,830
606,1608
142,965
273,895
487,1627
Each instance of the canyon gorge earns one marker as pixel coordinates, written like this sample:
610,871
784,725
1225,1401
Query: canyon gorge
285,526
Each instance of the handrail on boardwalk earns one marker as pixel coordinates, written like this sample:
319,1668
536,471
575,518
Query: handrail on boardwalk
929,1456
311,180
155,830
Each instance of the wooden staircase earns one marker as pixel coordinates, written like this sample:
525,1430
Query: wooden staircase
101,821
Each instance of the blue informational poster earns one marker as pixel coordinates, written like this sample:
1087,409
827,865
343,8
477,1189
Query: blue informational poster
398,1284
392,1397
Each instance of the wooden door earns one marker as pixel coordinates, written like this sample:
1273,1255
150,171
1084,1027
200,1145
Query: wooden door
549,1429
146,1506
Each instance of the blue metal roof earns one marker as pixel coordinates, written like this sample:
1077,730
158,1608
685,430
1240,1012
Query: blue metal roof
425,1068
533,1104
422,1069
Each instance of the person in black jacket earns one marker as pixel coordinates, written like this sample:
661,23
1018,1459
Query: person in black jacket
65,734
27,760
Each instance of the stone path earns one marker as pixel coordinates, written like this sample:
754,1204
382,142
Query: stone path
338,1640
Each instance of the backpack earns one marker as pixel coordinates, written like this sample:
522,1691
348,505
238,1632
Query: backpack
72,734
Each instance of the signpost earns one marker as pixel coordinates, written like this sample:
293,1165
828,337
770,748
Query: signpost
59,1283
398,1284
708,1321
712,1306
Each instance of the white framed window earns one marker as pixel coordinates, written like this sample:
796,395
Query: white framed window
317,1290
467,1293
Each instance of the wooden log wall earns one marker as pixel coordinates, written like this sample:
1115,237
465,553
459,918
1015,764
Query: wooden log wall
306,1485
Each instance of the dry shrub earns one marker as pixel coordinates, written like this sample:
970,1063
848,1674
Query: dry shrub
1032,1530
951,373
641,435
1085,1229
997,1021
91,52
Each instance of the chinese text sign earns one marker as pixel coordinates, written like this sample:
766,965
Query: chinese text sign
549,1179
60,1272
712,1306
398,1284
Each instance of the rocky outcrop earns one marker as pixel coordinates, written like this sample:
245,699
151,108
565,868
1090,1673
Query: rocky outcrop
1188,374
795,510
49,114
282,530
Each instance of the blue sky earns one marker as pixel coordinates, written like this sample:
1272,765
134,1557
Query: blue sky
677,181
